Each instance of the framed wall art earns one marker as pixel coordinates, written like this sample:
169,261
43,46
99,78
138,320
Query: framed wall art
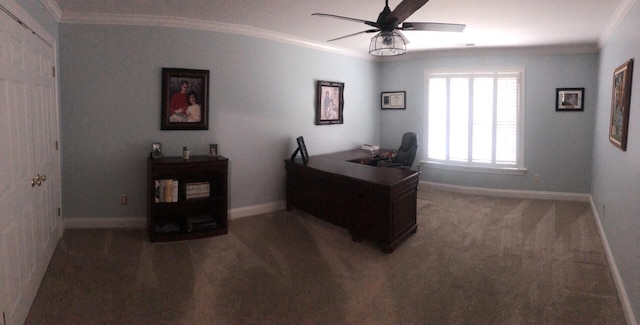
569,99
185,99
330,102
620,101
393,100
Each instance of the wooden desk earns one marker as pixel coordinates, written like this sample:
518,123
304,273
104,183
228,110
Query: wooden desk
373,203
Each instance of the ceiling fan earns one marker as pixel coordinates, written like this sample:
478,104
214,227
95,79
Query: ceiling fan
390,40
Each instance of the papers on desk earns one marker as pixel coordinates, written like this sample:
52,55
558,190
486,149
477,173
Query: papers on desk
370,147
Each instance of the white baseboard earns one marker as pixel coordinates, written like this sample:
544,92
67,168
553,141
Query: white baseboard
99,223
256,209
539,195
622,292
141,222
580,197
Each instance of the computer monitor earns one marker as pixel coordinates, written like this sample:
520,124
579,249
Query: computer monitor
302,149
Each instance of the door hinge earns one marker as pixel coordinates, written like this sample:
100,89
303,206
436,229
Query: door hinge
56,145
4,318
53,69
58,212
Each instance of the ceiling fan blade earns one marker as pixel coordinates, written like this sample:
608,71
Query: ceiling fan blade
405,9
434,27
354,34
370,23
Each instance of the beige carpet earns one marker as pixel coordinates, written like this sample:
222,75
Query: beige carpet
474,260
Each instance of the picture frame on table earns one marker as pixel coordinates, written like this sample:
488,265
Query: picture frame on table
393,100
569,99
156,150
620,101
213,150
185,99
329,103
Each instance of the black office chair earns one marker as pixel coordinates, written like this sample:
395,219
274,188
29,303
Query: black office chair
406,154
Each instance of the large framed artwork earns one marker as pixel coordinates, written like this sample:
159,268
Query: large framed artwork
330,102
620,101
185,99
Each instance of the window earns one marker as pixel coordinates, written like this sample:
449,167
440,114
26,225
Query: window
474,119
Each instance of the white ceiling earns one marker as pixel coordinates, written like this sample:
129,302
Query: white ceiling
490,23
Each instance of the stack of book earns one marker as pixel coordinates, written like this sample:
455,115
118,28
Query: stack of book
166,190
166,227
200,223
197,190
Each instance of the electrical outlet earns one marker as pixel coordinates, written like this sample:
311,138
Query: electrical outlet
536,178
123,199
603,210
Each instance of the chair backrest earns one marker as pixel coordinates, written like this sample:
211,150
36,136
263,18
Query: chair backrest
406,154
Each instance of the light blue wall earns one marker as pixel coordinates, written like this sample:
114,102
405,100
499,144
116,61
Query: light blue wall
557,144
262,96
616,174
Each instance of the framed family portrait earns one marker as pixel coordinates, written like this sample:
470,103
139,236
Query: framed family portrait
569,99
393,100
330,102
620,101
185,99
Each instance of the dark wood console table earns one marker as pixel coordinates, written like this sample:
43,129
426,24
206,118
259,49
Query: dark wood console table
373,203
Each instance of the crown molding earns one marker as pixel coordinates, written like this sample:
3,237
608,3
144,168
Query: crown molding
616,19
53,9
580,48
204,25
28,20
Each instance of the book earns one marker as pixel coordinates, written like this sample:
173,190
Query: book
197,196
203,222
174,190
166,190
370,147
157,191
199,186
197,190
166,227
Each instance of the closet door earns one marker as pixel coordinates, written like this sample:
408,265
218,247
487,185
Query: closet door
29,169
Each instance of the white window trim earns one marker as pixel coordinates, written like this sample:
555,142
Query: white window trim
475,169
520,168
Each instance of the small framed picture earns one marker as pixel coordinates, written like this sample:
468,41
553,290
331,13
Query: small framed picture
303,149
213,150
393,100
156,150
330,102
569,99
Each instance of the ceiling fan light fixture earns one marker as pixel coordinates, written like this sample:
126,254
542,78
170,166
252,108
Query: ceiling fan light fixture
387,43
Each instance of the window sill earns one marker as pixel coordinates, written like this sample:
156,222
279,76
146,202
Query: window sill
468,169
